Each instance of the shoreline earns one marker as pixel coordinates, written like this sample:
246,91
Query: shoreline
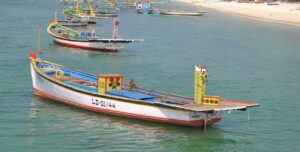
284,13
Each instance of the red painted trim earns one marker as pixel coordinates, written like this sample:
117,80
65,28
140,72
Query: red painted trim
125,114
86,47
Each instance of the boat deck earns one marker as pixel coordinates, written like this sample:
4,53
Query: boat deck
88,82
223,105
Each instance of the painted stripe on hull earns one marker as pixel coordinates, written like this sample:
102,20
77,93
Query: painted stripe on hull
85,47
129,115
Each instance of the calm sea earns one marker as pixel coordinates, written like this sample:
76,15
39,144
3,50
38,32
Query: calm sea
247,60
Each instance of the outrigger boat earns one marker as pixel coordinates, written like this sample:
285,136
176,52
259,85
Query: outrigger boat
144,7
87,39
107,93
179,13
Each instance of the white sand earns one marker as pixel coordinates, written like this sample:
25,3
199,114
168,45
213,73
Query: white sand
286,13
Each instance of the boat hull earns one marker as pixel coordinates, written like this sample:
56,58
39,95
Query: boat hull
73,24
145,11
48,88
97,46
106,15
181,14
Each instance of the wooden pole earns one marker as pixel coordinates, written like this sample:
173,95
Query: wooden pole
39,38
248,115
205,122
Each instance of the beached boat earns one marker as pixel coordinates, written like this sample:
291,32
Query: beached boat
106,93
144,7
273,2
179,13
87,39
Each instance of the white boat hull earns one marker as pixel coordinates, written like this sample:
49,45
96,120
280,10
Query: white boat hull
111,47
50,89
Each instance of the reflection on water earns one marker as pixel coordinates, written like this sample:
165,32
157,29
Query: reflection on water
74,127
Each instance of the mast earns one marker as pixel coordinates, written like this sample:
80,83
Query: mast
92,9
115,28
39,38
77,7
200,80
40,52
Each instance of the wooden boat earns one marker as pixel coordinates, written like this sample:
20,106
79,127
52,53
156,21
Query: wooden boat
179,13
107,12
89,17
66,2
101,15
129,3
87,39
109,94
73,22
144,7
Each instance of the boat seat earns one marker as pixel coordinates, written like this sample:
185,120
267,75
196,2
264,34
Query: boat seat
130,94
81,86
82,34
88,35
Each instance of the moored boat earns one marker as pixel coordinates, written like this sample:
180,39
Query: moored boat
107,93
179,13
144,7
129,3
73,22
88,16
87,39
100,14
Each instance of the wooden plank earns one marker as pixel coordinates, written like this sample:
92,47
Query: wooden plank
224,105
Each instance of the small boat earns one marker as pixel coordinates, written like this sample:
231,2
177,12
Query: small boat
107,93
87,39
179,13
103,15
90,17
73,22
273,2
107,12
66,2
129,3
144,7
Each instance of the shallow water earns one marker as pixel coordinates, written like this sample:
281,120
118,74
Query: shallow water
247,60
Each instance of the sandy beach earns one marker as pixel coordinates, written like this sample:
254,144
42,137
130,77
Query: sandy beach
285,13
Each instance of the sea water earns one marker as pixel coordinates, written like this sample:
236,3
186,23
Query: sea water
246,59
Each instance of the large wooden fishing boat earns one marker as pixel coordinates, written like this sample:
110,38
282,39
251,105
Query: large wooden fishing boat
87,39
179,13
107,93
